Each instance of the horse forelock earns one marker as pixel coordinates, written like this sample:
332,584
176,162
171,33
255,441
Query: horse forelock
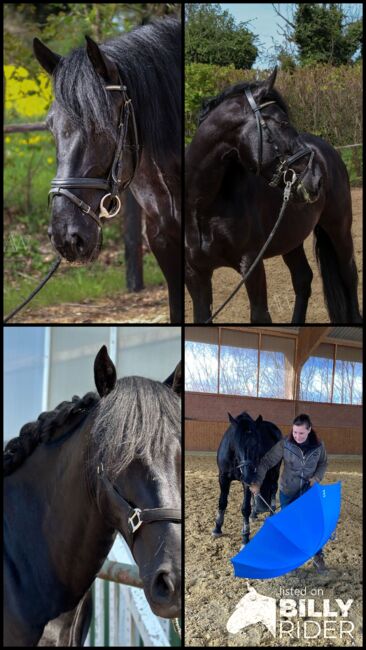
139,419
148,61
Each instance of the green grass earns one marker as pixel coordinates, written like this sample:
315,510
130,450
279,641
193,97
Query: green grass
75,284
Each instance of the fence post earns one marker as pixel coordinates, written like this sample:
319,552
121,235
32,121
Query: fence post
133,244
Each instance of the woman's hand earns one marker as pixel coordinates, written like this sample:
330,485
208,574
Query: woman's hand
254,488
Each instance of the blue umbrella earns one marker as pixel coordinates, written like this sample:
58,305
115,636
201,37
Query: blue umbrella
293,536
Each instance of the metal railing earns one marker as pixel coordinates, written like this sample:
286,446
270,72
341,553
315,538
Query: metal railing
121,614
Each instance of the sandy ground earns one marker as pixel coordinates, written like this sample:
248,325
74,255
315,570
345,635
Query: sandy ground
281,297
212,592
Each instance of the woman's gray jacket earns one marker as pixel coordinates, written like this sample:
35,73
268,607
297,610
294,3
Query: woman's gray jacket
299,466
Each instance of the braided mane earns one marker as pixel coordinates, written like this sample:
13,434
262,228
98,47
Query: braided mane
49,426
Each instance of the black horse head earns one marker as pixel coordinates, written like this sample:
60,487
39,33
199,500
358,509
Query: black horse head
137,483
251,122
96,156
114,116
246,444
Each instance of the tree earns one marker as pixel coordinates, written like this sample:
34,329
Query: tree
323,33
213,37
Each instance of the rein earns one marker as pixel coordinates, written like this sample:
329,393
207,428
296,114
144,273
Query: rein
286,196
50,273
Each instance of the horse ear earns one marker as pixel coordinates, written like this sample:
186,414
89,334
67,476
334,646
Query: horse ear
271,79
259,420
266,86
175,379
105,375
48,59
106,68
232,420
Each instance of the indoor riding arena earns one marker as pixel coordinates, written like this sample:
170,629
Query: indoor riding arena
278,373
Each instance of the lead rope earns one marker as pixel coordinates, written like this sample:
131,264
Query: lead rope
286,196
50,273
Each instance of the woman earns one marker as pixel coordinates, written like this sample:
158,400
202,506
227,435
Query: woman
305,462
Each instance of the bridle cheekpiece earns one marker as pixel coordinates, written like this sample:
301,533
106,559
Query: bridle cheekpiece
284,166
60,186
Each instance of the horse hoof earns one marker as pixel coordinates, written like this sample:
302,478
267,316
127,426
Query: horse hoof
216,534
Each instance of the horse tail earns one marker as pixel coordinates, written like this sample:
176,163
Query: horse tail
333,287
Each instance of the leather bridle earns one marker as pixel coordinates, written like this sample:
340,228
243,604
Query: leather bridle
113,184
136,517
284,165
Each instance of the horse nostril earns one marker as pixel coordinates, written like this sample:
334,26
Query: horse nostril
162,588
74,240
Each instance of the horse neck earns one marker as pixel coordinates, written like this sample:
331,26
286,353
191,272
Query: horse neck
207,159
54,530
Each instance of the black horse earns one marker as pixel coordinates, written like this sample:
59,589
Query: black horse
231,209
116,120
242,447
93,466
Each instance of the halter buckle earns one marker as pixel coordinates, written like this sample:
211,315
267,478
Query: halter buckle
134,521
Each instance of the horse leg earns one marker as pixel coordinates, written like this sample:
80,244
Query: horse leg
199,285
273,502
225,483
301,276
254,514
168,254
256,287
245,510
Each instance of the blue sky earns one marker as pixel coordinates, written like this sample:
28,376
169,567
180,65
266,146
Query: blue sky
266,24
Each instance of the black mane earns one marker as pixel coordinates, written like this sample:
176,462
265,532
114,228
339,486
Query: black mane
49,426
136,420
149,62
208,104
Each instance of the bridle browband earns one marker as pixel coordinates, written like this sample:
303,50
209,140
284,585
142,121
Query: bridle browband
285,163
136,517
60,186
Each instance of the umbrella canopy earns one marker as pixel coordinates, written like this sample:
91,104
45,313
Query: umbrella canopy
293,536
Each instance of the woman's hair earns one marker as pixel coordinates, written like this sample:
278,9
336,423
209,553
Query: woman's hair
305,419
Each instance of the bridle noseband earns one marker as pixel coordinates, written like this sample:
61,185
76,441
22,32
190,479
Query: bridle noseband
136,517
285,163
60,186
